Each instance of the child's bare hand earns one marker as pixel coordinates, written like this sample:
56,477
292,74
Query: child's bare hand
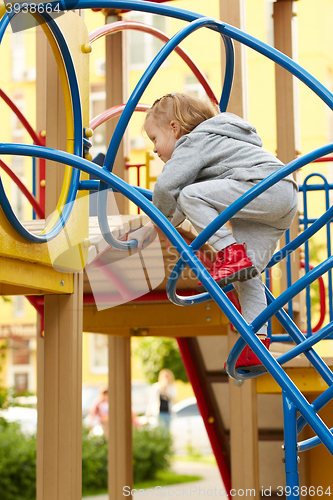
144,236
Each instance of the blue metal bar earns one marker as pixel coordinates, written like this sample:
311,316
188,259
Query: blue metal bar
301,238
306,344
263,48
89,185
291,292
310,443
93,185
136,95
229,212
289,276
325,186
268,284
33,184
315,187
77,116
290,327
293,398
229,73
222,301
256,190
319,403
310,220
290,447
126,115
329,253
307,262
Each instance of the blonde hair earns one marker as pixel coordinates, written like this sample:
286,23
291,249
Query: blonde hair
169,373
187,110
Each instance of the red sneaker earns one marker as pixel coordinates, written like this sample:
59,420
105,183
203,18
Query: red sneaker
248,361
231,264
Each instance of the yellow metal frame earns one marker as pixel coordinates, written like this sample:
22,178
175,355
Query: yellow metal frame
33,261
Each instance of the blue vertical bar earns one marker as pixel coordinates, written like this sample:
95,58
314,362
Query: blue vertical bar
33,183
289,277
329,251
268,284
290,447
306,258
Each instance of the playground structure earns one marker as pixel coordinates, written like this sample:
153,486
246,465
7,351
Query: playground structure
49,263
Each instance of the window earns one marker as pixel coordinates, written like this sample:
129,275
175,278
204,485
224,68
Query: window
21,351
18,56
21,361
99,353
17,199
17,129
269,22
21,382
97,106
142,46
194,87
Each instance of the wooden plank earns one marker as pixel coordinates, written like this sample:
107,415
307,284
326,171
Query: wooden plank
306,379
62,408
287,127
116,85
120,417
32,278
152,315
243,404
60,376
243,432
233,12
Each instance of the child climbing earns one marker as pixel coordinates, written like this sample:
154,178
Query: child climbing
212,159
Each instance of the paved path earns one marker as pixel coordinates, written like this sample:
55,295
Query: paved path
209,487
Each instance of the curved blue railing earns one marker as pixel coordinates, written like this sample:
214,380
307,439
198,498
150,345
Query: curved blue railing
293,399
78,142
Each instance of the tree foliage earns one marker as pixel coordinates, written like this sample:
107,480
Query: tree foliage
157,353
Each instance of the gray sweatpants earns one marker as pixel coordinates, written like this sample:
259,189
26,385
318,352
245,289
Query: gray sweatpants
259,225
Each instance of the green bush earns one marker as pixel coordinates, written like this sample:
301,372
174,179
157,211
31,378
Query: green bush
94,462
17,463
151,452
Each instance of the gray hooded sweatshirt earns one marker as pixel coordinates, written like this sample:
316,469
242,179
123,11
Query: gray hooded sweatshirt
222,147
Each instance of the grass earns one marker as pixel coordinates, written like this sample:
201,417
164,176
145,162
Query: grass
204,459
163,478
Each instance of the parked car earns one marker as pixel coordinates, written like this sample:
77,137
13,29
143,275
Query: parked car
187,428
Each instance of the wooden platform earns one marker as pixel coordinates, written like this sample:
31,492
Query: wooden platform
124,292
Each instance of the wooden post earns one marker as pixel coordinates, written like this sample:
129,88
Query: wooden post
62,415
40,413
116,84
233,12
120,469
243,398
287,125
120,417
41,51
243,432
59,364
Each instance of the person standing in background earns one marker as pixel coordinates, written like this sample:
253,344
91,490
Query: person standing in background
161,398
